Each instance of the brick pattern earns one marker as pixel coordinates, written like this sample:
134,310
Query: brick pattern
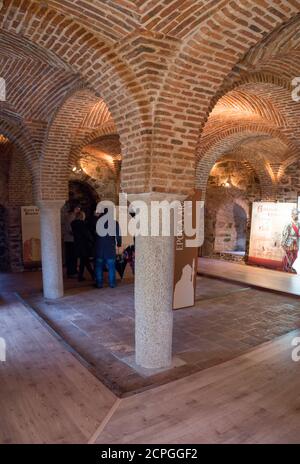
289,185
223,221
157,69
15,191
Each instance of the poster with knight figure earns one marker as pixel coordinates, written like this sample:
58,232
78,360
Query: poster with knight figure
275,236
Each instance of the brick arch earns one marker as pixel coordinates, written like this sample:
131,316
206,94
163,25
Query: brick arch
112,49
287,162
104,150
42,76
233,131
196,75
226,141
12,45
96,61
256,165
106,129
110,21
218,196
108,143
284,39
260,89
12,126
243,103
286,65
98,116
260,77
267,82
278,108
251,75
270,58
102,185
58,142
80,97
36,89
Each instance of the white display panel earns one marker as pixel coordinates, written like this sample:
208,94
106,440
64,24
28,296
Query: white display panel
268,222
31,235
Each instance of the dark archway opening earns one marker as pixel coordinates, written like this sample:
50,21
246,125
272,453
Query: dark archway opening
82,193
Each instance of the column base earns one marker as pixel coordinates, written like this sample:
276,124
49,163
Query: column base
148,372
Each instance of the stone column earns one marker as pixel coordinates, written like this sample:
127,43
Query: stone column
50,217
154,275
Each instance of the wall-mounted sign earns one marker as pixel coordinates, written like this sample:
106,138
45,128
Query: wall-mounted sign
31,238
269,227
186,257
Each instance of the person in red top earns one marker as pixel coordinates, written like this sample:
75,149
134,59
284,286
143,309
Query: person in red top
290,242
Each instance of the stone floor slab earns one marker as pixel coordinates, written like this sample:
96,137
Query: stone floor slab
227,320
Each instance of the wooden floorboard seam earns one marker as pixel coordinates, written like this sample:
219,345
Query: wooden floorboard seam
105,421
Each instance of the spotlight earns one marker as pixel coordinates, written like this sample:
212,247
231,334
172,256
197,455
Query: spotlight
76,170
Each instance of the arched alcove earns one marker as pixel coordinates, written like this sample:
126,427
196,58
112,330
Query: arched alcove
232,186
82,193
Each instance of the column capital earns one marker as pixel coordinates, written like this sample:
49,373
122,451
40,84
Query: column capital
50,204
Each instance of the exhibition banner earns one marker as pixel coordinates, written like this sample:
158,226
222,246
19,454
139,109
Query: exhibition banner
186,258
31,239
268,224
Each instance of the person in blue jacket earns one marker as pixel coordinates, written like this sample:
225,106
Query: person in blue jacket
105,252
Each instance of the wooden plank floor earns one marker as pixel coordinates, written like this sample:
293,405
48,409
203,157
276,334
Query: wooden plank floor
254,398
251,275
46,395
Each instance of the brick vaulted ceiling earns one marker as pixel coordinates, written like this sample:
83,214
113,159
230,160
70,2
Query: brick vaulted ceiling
173,78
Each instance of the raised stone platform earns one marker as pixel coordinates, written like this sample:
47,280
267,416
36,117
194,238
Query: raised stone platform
228,319
254,276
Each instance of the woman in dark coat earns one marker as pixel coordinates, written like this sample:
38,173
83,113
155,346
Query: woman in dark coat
83,242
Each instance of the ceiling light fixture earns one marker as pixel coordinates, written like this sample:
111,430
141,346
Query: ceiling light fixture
76,170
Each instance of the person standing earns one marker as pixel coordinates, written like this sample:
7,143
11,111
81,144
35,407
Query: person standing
83,242
70,255
290,241
105,251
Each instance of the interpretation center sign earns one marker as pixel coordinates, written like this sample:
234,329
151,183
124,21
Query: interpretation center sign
31,238
186,256
269,220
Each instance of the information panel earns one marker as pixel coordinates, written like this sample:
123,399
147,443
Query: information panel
31,236
186,258
269,222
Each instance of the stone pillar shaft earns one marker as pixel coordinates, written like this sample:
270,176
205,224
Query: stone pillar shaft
154,277
50,217
154,269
